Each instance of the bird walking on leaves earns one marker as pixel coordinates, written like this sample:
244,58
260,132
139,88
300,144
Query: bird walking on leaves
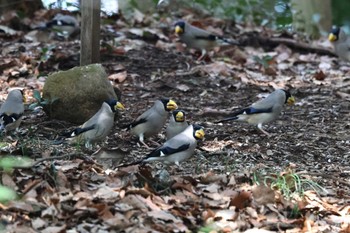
153,120
177,123
263,111
98,126
11,111
177,149
200,39
341,42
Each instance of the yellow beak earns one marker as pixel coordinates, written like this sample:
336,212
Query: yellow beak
291,100
332,37
119,106
171,105
200,134
180,117
178,30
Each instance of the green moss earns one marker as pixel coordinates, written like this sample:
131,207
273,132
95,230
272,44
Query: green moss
79,93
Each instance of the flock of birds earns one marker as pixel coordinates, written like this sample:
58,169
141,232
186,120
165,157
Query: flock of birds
181,136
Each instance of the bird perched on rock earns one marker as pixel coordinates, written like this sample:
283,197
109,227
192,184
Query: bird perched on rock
152,121
98,126
263,111
177,149
341,43
11,111
198,38
177,123
66,25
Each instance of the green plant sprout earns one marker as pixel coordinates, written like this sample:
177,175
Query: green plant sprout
40,102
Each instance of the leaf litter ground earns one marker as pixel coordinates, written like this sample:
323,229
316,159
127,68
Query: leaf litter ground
213,191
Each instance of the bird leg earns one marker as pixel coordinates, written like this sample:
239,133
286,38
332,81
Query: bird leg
204,52
262,130
141,139
88,145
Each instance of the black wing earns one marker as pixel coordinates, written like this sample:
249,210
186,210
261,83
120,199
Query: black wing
252,110
133,124
167,151
209,37
55,22
248,111
8,119
78,131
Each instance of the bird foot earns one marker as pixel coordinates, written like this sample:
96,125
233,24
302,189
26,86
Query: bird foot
143,143
266,133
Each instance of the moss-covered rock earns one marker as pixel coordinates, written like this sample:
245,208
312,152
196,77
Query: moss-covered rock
77,94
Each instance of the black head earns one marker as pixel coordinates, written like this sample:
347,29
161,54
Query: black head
334,34
198,131
289,98
115,105
287,93
164,101
335,30
179,115
180,27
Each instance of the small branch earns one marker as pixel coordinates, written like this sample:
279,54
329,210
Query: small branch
256,40
57,157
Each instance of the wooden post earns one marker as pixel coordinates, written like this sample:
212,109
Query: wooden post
90,32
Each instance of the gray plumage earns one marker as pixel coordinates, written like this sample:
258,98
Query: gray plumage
177,123
153,120
11,111
177,149
263,111
98,126
198,38
341,42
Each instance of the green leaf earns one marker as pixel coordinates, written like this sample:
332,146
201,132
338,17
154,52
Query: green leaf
9,162
37,95
7,194
33,106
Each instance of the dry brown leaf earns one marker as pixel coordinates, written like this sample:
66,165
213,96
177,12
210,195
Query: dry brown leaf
319,75
119,221
163,215
241,200
7,180
211,177
118,77
188,186
263,194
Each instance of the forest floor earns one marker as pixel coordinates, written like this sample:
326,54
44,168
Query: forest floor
221,188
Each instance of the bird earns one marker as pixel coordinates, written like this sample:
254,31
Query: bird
98,126
163,3
153,120
11,111
177,123
65,25
200,39
263,111
176,149
341,42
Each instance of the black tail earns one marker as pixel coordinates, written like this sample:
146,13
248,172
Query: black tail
78,131
227,119
230,41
